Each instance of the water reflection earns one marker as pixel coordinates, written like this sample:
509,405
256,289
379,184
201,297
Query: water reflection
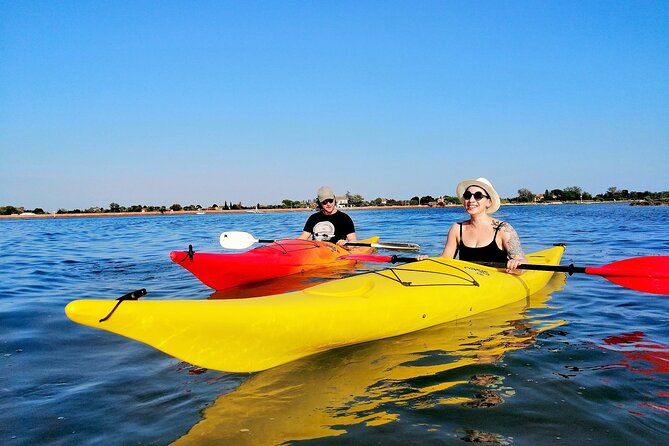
372,383
644,356
641,354
632,352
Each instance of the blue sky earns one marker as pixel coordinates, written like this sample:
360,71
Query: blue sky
161,102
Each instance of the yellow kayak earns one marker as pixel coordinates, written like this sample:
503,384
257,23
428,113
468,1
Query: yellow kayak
371,382
248,335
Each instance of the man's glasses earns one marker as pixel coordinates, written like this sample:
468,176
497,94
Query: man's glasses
328,201
478,195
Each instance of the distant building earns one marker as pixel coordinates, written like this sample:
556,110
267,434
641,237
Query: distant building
342,201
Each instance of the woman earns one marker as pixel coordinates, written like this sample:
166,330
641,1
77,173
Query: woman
330,224
482,238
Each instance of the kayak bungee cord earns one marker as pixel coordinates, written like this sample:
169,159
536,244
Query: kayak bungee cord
467,280
135,295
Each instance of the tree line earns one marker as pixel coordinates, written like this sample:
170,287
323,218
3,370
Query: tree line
575,193
568,194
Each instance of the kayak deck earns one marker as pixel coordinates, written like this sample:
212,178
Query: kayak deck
247,335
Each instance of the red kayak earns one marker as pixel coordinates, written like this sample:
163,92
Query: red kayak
281,258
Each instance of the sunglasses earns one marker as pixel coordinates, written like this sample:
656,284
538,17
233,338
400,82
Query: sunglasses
478,195
328,201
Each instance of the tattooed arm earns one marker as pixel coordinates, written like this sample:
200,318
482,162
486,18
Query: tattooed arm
511,244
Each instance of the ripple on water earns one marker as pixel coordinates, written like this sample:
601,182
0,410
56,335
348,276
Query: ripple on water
585,365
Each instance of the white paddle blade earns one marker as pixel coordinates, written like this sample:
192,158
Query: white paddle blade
411,247
236,240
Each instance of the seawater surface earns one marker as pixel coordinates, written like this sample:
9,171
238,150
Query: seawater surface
582,362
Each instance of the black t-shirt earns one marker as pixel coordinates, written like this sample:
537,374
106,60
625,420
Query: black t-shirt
330,228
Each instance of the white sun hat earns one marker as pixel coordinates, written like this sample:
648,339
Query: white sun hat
484,184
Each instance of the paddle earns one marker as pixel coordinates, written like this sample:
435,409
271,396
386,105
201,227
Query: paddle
242,240
648,274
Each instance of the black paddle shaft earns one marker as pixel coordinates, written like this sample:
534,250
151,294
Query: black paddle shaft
569,269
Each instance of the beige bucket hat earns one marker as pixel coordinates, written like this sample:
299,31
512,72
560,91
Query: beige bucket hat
484,184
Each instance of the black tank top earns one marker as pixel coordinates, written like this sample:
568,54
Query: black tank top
489,253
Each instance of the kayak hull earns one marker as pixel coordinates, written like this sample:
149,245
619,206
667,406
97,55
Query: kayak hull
248,335
278,259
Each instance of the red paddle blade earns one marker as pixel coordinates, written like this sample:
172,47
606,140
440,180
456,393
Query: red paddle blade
647,274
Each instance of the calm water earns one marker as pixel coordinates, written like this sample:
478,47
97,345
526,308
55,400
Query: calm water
584,362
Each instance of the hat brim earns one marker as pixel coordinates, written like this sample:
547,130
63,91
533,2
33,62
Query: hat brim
494,196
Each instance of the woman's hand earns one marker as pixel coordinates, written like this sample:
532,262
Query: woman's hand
512,266
422,257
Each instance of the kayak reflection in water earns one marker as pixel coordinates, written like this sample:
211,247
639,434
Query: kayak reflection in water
330,224
482,238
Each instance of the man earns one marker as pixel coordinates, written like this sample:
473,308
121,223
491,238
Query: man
329,224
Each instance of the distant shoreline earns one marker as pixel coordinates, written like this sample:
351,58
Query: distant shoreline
201,212
262,211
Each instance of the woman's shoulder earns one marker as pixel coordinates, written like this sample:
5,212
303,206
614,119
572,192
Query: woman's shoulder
456,227
505,228
499,224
